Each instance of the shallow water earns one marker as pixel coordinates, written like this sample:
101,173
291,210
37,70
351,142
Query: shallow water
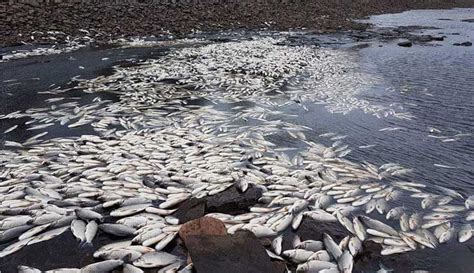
434,82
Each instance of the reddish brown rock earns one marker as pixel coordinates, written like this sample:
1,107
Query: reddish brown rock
202,226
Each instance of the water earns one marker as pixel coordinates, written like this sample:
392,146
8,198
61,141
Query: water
433,82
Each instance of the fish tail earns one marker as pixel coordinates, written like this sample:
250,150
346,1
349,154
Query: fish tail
85,244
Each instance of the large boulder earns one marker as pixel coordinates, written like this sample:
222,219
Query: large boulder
232,201
241,252
191,209
311,229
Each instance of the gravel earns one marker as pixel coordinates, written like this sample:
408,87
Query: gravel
105,21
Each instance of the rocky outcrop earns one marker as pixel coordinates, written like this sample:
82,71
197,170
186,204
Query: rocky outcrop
241,252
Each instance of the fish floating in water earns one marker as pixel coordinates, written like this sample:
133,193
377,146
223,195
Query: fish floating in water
153,150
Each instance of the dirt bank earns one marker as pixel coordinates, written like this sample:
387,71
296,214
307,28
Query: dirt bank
105,20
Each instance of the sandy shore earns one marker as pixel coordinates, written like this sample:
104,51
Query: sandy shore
19,22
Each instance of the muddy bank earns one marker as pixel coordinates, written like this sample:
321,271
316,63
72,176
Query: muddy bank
23,23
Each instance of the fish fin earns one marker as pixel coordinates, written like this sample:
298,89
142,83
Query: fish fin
85,244
296,240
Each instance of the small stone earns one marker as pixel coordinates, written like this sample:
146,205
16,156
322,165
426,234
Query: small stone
466,44
405,44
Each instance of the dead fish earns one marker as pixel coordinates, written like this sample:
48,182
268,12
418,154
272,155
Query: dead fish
433,223
128,268
260,230
277,244
64,270
346,262
91,231
389,250
127,255
343,244
104,266
129,210
87,215
163,243
359,229
12,233
465,233
15,221
14,247
394,213
362,200
27,269
117,229
449,192
155,259
446,235
355,246
382,206
345,222
34,231
320,215
10,129
370,206
316,266
321,255
331,246
470,216
48,235
469,203
298,255
377,225
78,229
414,221
428,202
310,245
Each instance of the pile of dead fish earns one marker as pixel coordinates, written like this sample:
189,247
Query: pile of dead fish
155,149
68,44
255,70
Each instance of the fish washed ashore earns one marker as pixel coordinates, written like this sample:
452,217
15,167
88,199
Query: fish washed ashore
105,21
183,158
259,152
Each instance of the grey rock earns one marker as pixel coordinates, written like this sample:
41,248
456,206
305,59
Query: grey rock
241,252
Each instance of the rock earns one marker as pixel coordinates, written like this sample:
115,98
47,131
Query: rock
202,226
236,253
405,44
191,209
311,229
406,262
231,201
438,38
463,44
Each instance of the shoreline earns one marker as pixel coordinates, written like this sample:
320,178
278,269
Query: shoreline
61,23
189,135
